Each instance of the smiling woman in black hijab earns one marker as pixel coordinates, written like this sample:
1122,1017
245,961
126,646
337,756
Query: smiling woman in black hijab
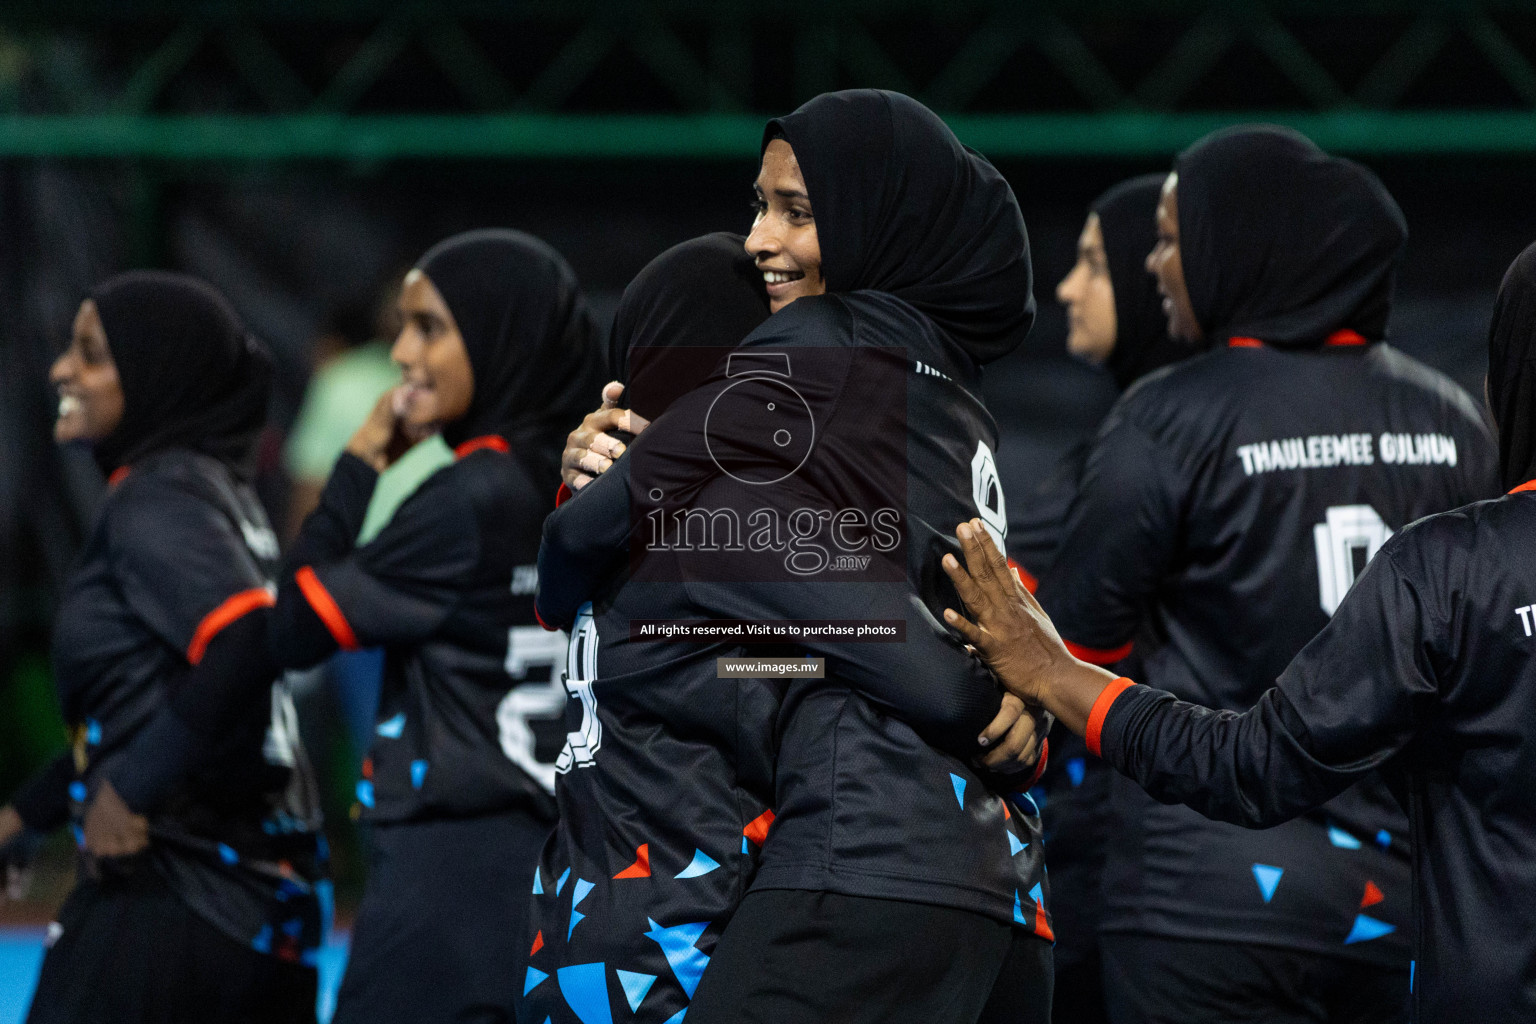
180,910
190,375
1228,504
497,351
912,272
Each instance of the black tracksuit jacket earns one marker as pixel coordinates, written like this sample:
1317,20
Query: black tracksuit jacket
1227,522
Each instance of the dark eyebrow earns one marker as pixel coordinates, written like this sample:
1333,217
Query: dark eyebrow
789,193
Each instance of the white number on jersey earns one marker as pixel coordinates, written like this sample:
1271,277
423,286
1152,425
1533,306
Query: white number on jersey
1349,539
530,647
581,746
987,491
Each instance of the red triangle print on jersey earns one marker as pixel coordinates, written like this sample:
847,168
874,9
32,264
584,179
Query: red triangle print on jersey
757,828
641,868
1373,895
538,943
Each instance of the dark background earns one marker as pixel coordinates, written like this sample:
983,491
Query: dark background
171,134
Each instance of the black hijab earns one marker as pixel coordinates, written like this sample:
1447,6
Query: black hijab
1512,369
1282,242
1128,221
902,207
705,293
531,340
192,377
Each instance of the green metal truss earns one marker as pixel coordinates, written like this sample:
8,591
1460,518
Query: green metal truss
338,79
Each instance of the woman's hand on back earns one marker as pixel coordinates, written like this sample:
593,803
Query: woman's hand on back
111,827
1013,635
18,849
1013,740
590,450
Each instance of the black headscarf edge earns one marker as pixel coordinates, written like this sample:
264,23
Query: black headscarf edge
1512,369
1127,218
1283,242
192,375
945,234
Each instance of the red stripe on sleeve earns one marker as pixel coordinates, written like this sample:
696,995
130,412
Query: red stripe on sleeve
1099,656
1029,581
326,607
1101,711
540,620
562,495
1244,343
1045,756
214,622
1346,337
492,441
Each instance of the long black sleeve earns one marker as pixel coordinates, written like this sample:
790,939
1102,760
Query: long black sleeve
331,529
43,800
1118,541
585,541
233,677
397,588
1351,700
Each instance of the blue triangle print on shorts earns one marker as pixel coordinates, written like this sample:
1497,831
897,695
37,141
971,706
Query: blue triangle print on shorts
1076,769
1368,928
532,979
702,864
1268,877
538,884
1343,840
959,785
677,944
585,987
635,987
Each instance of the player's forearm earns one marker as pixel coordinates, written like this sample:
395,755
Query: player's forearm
1071,691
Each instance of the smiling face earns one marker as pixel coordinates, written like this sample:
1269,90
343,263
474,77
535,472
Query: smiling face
783,239
90,393
1166,263
1089,296
438,381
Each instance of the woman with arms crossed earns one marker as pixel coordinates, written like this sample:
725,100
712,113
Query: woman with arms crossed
201,891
